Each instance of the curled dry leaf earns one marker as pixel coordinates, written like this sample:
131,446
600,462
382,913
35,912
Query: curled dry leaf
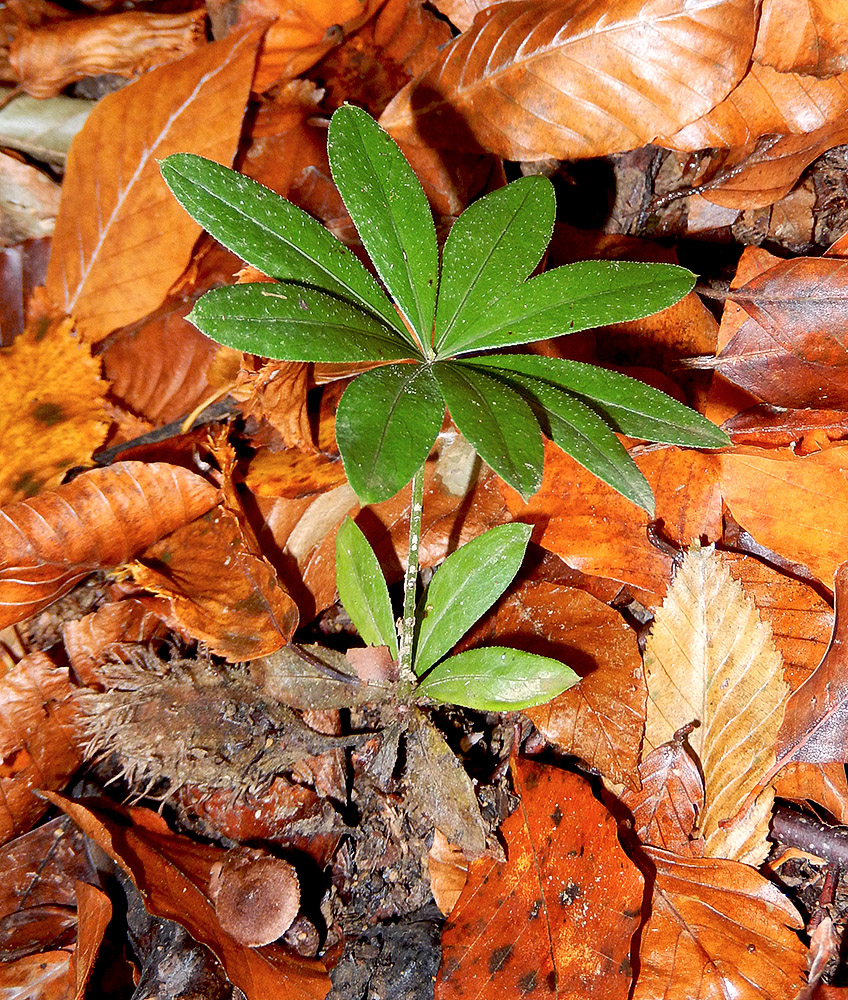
39,745
803,36
54,396
710,659
797,507
94,911
219,590
100,519
47,58
601,719
536,78
172,873
718,928
666,808
121,240
556,919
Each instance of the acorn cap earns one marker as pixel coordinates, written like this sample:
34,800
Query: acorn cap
257,902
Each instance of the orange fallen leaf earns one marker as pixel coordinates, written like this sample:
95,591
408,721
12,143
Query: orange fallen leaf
447,867
54,396
100,519
38,977
218,589
172,873
38,742
718,928
538,78
293,474
121,239
94,913
601,719
803,36
556,919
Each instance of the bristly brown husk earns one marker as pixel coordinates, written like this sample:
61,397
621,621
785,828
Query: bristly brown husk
191,722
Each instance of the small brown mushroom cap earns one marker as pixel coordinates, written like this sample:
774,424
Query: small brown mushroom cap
256,901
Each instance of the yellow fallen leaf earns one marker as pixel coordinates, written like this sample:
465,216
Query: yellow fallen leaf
711,659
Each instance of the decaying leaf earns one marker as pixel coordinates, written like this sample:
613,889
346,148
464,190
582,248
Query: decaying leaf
54,396
441,788
717,929
121,240
712,661
556,919
537,78
101,519
39,742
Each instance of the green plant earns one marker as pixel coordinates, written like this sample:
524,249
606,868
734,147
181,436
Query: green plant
432,344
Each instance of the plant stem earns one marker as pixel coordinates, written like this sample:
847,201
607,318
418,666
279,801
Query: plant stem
410,579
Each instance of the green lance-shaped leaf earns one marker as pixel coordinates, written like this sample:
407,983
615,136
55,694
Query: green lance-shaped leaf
584,435
386,424
497,679
630,406
295,323
576,297
390,211
272,234
465,586
497,421
492,247
362,588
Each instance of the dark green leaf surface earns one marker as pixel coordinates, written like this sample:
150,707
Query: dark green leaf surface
576,297
386,424
270,233
497,422
492,247
580,432
630,406
465,586
294,323
362,588
390,211
497,679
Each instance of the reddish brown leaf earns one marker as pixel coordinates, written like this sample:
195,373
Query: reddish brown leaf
797,507
121,239
594,529
556,919
172,873
539,78
718,929
38,977
448,870
803,36
823,784
461,12
38,742
95,912
773,427
601,719
49,57
219,590
765,103
666,808
101,519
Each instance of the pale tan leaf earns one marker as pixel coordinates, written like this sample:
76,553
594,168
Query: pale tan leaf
804,36
711,659
718,929
538,78
121,239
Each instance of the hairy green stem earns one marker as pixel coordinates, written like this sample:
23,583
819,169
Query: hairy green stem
410,579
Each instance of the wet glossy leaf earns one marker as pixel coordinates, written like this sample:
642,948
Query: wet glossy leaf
464,587
362,588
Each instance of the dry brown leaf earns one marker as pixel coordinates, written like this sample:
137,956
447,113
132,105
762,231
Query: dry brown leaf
766,102
94,913
29,201
293,474
101,519
601,719
447,868
219,589
806,431
538,78
53,395
710,659
38,740
667,806
461,12
38,977
121,239
22,268
803,36
718,929
797,507
47,58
